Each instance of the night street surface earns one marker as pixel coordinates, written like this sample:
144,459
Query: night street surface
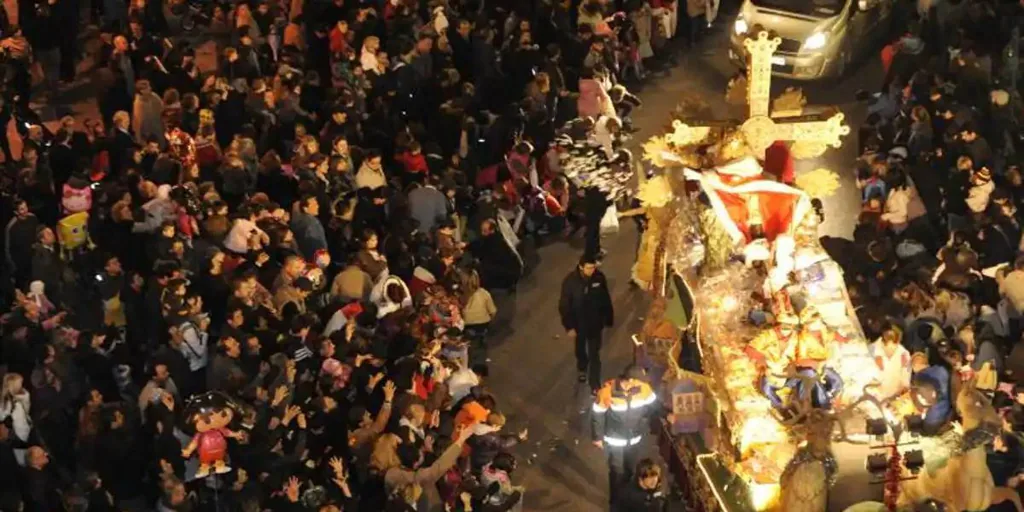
532,368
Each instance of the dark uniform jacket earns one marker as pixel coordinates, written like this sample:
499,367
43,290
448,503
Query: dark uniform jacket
619,417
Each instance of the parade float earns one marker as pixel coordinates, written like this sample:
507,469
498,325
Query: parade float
777,400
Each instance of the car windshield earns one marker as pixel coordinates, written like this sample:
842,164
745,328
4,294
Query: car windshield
820,8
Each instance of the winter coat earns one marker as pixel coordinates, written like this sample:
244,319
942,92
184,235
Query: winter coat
920,141
636,499
642,21
368,60
369,178
978,196
147,117
237,240
585,303
901,207
351,284
593,100
309,234
480,308
385,306
372,265
19,236
1011,288
428,206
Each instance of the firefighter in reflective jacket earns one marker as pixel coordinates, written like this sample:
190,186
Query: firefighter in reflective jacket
619,421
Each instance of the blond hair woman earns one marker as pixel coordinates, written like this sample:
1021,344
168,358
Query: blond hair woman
15,405
478,310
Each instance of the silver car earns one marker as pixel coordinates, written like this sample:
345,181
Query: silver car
820,38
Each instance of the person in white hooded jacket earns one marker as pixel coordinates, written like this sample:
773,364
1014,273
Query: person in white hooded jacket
980,190
244,235
15,405
389,295
903,205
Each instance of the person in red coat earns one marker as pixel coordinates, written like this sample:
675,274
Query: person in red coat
778,161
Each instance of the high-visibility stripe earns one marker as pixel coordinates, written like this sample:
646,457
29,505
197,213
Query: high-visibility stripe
618,441
643,402
598,408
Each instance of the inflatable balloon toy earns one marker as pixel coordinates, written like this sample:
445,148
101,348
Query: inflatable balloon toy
210,414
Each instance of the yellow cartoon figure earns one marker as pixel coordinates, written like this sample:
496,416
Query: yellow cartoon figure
73,234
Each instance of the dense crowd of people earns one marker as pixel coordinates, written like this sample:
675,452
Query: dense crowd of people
935,267
295,250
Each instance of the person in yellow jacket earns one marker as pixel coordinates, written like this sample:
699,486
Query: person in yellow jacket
619,420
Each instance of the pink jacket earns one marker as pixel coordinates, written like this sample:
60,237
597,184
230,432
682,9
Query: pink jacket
593,100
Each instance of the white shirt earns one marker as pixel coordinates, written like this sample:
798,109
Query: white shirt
370,178
368,60
893,371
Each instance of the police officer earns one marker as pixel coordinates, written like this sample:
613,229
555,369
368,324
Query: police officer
619,421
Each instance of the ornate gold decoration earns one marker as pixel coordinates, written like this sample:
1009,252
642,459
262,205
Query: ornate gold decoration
789,104
655,192
818,183
656,149
805,149
759,71
732,147
684,135
811,135
736,90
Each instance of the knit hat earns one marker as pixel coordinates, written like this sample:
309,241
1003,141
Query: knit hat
983,175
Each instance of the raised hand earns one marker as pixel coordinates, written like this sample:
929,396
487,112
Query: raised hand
375,379
279,395
290,413
389,391
291,489
338,466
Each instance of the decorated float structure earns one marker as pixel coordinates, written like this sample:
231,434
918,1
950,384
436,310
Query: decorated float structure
771,404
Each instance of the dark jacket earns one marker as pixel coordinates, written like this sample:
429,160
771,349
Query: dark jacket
19,236
585,303
499,266
41,491
637,499
309,234
122,147
48,268
428,206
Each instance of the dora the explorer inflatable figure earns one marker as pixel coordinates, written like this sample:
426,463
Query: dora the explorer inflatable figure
210,414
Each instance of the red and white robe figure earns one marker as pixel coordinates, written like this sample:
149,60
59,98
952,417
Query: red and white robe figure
750,205
778,161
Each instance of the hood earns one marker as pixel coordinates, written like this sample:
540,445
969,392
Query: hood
795,24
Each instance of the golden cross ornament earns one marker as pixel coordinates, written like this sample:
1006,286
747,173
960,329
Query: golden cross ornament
761,129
